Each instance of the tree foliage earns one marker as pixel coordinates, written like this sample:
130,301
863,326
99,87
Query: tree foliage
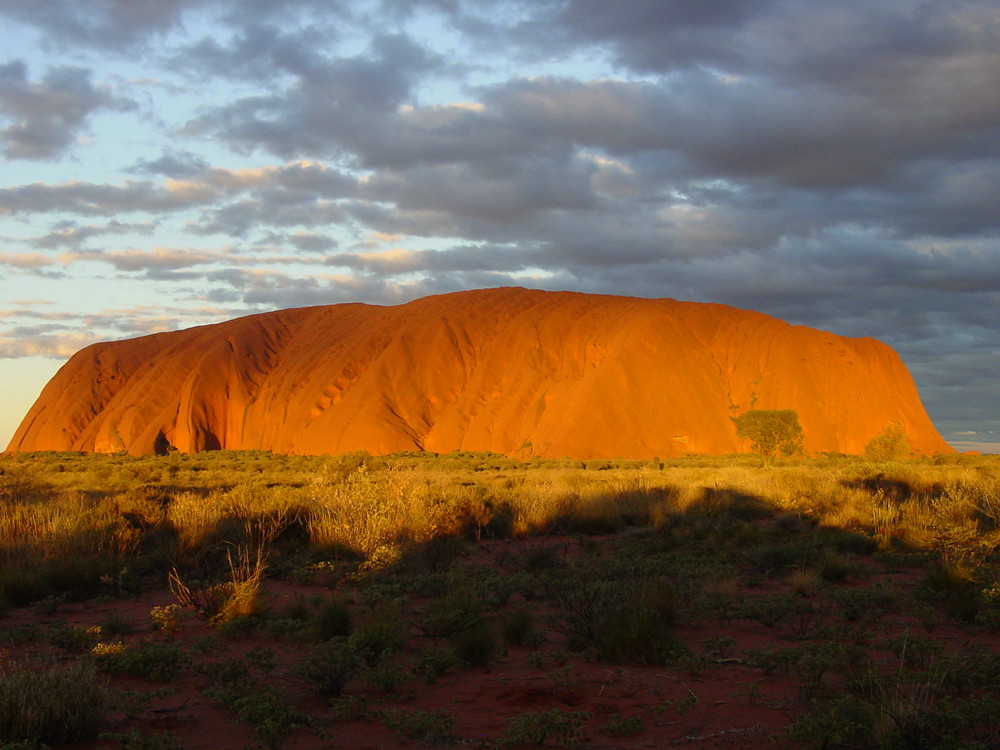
889,444
770,431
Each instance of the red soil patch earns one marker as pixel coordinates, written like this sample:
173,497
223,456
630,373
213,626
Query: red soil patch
717,700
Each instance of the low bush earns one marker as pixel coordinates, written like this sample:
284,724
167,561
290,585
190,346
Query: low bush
381,634
329,668
52,705
518,627
428,727
623,621
534,728
150,660
332,619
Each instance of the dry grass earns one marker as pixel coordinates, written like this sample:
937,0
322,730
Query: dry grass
70,507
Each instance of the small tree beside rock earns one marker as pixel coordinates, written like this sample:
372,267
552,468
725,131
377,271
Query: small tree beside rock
770,431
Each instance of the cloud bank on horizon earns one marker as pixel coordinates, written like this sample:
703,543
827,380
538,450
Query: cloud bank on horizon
176,162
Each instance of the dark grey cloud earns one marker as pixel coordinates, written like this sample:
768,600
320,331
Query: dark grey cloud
114,24
260,52
328,110
42,119
71,235
309,241
241,218
276,194
172,163
88,199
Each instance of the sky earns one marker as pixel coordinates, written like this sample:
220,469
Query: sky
171,163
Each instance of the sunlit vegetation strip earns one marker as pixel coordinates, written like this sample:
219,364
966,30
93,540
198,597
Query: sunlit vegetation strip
70,521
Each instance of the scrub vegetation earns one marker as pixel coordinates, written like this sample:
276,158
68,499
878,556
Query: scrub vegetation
831,602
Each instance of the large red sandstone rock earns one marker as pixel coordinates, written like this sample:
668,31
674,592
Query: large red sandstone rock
505,370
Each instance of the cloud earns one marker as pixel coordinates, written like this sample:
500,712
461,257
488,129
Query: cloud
58,334
43,119
333,108
172,163
26,261
114,24
280,187
834,164
60,346
72,235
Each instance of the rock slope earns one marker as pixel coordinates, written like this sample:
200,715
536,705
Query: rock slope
512,370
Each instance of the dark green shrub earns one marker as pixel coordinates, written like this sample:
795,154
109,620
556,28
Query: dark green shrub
135,739
620,726
836,568
115,624
380,635
636,634
19,586
453,613
845,721
433,663
329,668
956,588
75,639
52,706
780,557
226,672
263,706
150,660
530,728
475,645
333,619
769,609
518,627
79,575
441,552
501,522
429,727
623,621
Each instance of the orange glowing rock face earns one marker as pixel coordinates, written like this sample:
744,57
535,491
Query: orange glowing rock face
513,371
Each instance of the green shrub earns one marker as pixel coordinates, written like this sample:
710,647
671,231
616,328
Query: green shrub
333,619
955,586
75,639
454,613
135,739
429,727
622,621
19,586
432,663
620,726
531,728
380,635
475,645
263,706
150,660
52,706
329,668
518,627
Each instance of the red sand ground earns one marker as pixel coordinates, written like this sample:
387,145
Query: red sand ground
726,704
